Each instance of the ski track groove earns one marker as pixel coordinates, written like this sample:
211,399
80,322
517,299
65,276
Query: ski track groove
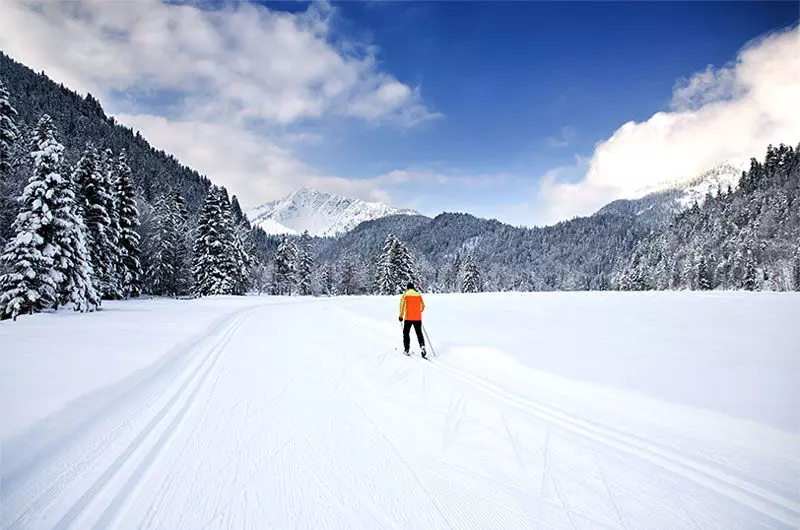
754,496
516,448
506,487
220,511
612,496
711,476
203,368
400,456
39,486
452,421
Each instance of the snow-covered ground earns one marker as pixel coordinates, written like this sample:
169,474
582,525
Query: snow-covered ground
551,410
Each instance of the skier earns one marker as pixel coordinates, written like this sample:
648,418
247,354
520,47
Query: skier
411,308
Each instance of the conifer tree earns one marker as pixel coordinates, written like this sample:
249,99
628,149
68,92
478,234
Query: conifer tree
221,262
211,264
387,281
796,269
94,196
73,263
749,282
237,260
243,261
454,277
305,265
115,268
347,280
327,283
395,267
171,270
704,282
406,270
131,269
472,282
46,261
285,268
8,132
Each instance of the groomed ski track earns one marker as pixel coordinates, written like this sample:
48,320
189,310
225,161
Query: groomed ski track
250,426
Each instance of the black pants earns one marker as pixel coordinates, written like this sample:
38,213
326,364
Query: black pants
417,328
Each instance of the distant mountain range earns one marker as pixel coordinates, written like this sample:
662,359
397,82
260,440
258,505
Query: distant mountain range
322,214
325,214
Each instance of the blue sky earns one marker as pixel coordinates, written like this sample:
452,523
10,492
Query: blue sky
511,110
525,86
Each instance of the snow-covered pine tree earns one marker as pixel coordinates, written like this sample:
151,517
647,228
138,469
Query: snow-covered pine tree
230,262
260,278
239,218
284,270
347,280
327,282
239,258
93,196
166,262
73,263
244,262
749,280
115,265
8,132
82,180
387,280
395,267
46,261
131,269
796,269
210,264
405,267
704,281
454,276
183,279
305,265
472,282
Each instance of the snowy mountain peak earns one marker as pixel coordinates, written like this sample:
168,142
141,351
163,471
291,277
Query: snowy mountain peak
725,173
659,204
322,214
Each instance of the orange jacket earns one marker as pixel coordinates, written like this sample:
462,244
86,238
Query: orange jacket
411,305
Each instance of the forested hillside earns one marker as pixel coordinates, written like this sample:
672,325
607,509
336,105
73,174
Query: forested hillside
89,211
743,239
573,255
81,120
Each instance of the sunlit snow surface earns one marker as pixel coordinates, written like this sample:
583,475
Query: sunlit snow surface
551,410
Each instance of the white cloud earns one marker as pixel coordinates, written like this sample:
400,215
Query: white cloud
215,87
240,62
427,177
719,113
242,162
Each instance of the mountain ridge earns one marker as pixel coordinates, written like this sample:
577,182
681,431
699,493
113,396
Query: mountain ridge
660,206
322,214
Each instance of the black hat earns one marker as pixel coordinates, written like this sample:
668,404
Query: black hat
410,285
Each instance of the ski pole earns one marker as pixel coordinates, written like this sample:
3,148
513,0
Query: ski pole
428,340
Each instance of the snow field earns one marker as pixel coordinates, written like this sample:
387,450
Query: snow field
304,413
